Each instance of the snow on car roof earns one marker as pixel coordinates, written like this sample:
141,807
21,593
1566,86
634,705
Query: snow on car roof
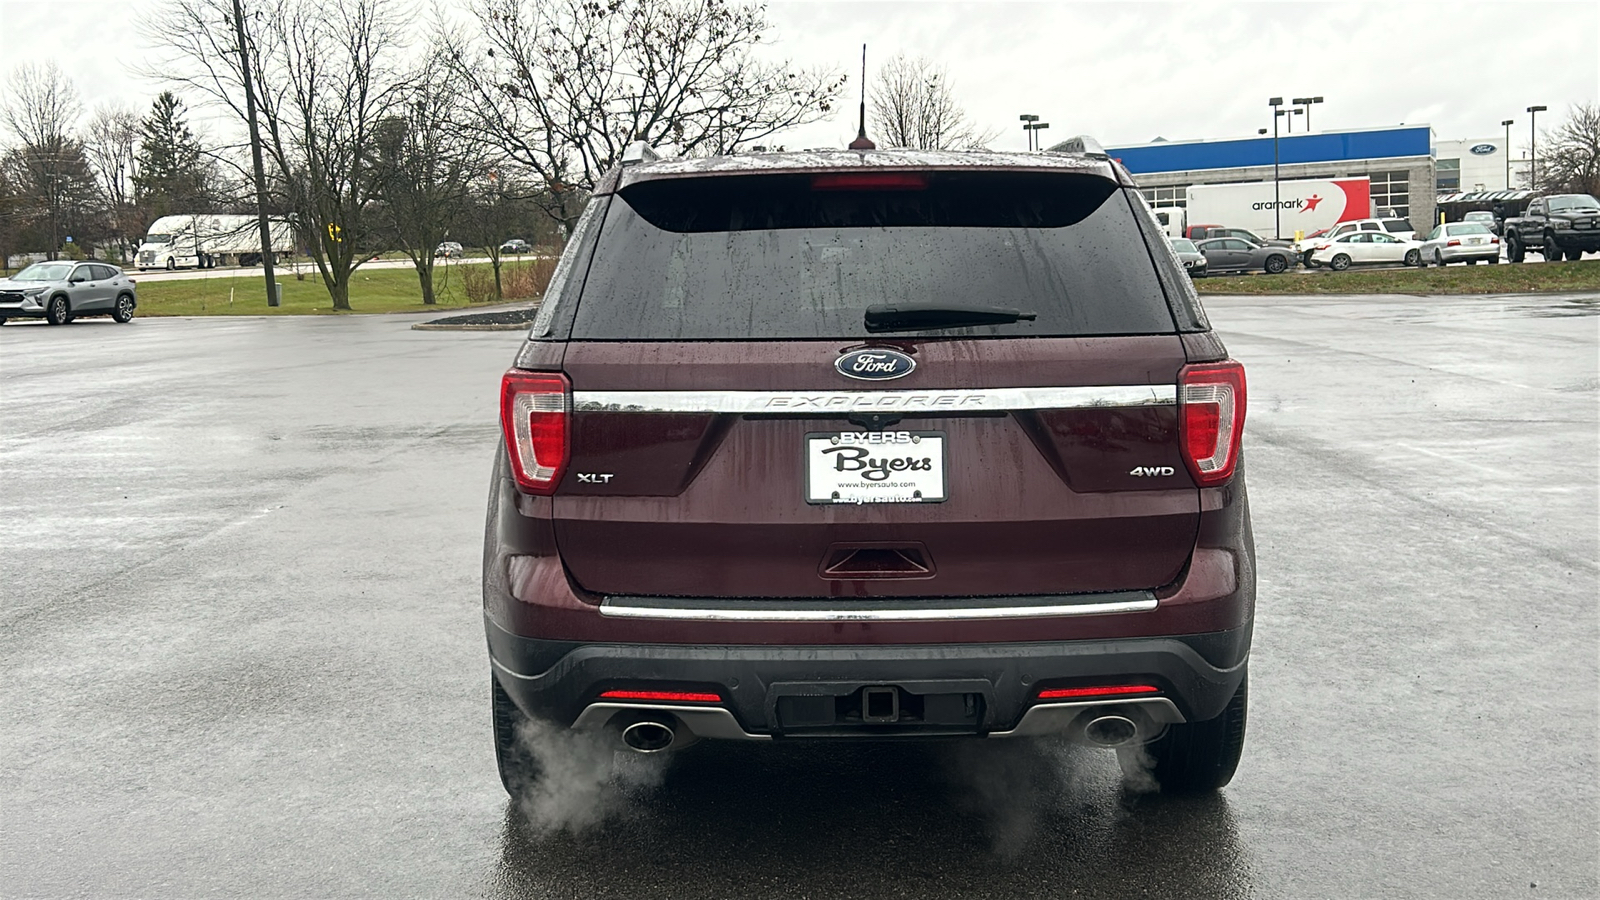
834,160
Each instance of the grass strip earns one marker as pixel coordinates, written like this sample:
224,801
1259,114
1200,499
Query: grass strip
1505,278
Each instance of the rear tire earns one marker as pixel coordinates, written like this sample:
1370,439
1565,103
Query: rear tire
1494,260
1514,249
1438,259
123,311
518,767
1194,757
1339,263
1413,258
58,312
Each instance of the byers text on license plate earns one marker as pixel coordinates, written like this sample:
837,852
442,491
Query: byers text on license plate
875,467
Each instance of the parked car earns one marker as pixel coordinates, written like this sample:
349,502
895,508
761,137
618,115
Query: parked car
1239,255
1194,262
61,291
1485,218
448,250
516,245
1304,247
1400,228
874,444
1199,232
1561,225
1359,248
1247,235
1467,242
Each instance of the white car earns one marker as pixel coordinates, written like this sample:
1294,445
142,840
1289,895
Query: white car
1461,242
1361,248
1400,228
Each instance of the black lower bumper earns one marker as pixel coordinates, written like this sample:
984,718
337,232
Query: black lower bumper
558,679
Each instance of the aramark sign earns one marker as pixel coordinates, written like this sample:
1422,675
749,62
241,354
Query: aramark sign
1303,206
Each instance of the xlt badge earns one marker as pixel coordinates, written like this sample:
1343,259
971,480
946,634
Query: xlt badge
875,365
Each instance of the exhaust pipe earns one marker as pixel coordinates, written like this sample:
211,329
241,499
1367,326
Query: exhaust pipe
1110,731
648,736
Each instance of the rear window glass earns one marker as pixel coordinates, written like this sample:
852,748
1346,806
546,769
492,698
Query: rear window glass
1466,228
769,257
1397,225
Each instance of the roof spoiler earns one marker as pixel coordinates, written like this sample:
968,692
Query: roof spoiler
638,152
1083,144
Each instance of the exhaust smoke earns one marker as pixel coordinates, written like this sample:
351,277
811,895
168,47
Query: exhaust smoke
583,778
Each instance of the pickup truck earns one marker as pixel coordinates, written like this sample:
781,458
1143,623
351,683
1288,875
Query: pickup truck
1558,225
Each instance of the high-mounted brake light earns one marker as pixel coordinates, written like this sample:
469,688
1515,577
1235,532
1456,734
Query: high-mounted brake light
869,181
1211,402
533,415
663,696
1109,690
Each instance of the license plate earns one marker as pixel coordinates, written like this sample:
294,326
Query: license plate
875,467
1474,240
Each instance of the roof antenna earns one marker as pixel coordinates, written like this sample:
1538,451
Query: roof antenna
862,142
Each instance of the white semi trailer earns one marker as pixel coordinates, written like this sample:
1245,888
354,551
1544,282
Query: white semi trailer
1302,206
205,240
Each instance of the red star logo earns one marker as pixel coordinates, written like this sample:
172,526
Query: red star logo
1311,203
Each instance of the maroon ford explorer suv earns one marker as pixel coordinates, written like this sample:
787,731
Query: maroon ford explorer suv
873,444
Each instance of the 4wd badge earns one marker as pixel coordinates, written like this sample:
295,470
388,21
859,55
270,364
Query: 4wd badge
875,365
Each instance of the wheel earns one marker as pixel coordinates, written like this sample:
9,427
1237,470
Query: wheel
1339,263
1514,248
517,766
1276,264
1574,255
1194,757
1438,259
1414,258
1552,250
58,312
2,321
123,312
171,264
1494,260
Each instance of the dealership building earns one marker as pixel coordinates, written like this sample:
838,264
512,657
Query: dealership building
1410,172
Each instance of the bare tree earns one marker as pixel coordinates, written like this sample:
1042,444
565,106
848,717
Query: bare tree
42,113
914,106
563,86
1572,161
112,139
424,167
326,75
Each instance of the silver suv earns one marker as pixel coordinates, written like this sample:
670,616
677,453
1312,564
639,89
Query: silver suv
64,290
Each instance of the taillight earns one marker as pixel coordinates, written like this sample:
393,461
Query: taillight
533,415
1211,401
1452,243
1494,240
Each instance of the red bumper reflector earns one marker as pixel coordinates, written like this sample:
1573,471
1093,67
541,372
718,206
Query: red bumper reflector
1108,690
664,696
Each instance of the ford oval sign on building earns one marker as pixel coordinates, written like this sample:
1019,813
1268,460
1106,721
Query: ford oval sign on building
875,365
1483,149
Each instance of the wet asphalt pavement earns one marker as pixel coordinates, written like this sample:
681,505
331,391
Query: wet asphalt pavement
242,654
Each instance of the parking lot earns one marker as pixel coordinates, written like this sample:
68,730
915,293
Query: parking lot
243,650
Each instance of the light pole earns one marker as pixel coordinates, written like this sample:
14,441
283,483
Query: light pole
1289,115
1508,123
1533,146
1027,128
1306,102
1035,128
1277,209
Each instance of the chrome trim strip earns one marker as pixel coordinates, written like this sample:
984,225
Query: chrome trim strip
974,400
713,722
778,613
1054,718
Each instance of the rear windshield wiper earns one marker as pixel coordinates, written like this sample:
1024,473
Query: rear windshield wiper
918,316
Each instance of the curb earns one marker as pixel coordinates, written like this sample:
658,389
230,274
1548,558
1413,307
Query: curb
430,326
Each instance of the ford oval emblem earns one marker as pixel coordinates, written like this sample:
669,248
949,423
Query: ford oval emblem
1483,149
875,365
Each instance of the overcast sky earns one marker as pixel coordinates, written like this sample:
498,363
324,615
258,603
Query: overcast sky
1124,72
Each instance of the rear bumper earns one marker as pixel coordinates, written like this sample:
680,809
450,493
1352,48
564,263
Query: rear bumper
1456,254
559,680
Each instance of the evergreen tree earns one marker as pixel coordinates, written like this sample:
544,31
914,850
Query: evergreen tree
172,174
